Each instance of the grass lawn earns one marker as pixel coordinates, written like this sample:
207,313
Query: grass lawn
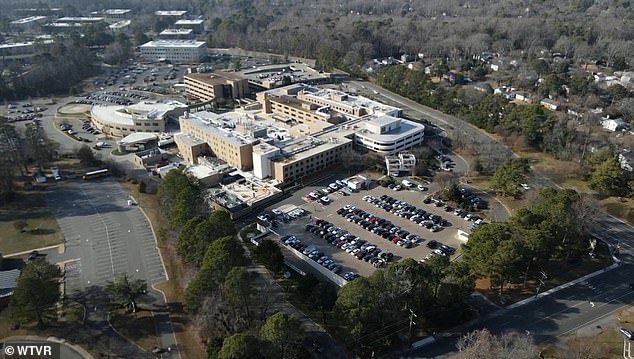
603,341
607,343
138,327
622,208
41,230
68,325
558,273
552,352
174,290
483,183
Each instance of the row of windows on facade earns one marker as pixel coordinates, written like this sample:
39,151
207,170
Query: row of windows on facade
388,148
380,143
319,157
290,175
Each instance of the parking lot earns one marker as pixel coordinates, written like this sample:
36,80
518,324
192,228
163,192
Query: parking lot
357,230
112,97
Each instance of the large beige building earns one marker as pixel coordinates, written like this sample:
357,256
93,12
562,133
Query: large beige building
177,51
299,131
203,87
219,134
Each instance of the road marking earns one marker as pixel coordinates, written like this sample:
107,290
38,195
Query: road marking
598,318
574,306
106,227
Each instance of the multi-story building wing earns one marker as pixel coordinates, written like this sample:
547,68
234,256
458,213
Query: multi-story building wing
177,51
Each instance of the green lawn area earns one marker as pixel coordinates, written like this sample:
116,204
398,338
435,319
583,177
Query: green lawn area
559,272
138,327
483,183
41,230
622,208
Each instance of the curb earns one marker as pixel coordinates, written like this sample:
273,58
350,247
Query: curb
170,321
123,336
563,286
31,250
164,271
155,240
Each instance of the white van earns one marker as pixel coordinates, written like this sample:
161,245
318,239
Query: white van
407,184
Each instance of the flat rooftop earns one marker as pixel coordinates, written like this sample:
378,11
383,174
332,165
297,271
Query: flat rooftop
16,45
142,111
175,43
311,145
405,129
221,125
80,19
271,76
170,12
176,32
215,77
120,24
346,99
251,190
29,19
189,22
188,139
64,24
202,171
138,137
116,11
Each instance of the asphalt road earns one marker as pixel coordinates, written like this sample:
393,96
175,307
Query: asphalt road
105,237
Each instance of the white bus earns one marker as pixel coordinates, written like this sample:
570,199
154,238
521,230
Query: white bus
96,174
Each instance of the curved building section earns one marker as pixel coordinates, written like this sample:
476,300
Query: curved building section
121,121
386,134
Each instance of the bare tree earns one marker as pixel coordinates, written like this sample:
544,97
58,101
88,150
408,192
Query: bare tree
445,179
484,345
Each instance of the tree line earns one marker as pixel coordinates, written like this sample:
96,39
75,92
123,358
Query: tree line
556,226
226,299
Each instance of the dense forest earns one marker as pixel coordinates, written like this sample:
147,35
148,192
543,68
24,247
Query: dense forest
352,31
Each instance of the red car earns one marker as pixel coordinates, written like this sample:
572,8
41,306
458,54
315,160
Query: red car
396,239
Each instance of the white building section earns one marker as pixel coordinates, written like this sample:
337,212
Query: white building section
263,154
177,13
403,162
178,51
388,135
146,116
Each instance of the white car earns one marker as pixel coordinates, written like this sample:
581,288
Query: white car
421,188
277,212
325,199
525,186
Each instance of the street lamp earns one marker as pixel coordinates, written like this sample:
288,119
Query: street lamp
542,278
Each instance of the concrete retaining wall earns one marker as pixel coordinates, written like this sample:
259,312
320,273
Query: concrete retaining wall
333,277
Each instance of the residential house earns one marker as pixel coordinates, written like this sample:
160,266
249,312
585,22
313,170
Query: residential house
550,104
523,96
626,160
613,124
